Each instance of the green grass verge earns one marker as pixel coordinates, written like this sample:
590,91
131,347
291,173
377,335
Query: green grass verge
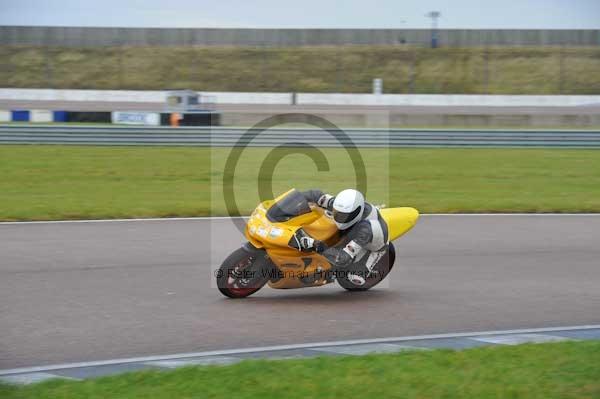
72,182
345,69
558,370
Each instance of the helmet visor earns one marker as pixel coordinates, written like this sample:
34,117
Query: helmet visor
345,217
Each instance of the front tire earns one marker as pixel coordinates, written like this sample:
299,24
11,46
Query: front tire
244,272
382,269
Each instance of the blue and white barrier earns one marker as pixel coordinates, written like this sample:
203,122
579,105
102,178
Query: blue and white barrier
117,117
20,116
41,116
5,116
60,116
36,115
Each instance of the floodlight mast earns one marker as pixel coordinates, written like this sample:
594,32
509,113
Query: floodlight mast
434,15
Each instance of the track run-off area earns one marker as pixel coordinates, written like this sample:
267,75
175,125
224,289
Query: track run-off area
97,290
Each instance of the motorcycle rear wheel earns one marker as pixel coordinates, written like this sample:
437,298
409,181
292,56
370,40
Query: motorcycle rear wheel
243,273
383,268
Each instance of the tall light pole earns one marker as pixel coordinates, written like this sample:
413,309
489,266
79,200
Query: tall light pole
434,15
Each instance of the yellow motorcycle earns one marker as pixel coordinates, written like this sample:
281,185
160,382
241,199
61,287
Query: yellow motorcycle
273,253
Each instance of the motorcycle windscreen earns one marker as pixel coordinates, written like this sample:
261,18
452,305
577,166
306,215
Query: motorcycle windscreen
292,204
399,220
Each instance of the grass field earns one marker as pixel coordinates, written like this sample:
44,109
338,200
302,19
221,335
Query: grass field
71,182
346,69
542,371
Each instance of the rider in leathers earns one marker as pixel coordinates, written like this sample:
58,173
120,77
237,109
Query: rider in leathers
361,227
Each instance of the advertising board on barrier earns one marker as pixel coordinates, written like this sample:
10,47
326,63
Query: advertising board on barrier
136,118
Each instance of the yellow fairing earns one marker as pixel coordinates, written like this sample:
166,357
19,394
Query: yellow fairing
264,234
274,238
399,220
292,264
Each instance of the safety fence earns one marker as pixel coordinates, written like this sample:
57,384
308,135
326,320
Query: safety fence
231,137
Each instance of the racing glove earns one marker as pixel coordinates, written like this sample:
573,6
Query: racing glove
308,243
325,201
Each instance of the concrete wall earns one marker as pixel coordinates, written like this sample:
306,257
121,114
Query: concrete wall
83,95
345,115
132,96
78,36
137,96
466,100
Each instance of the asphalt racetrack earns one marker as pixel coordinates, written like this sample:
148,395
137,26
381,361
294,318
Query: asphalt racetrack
101,290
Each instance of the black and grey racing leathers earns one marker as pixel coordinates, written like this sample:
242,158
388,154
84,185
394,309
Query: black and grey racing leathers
370,234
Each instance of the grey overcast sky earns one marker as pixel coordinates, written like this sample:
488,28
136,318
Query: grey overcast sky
522,14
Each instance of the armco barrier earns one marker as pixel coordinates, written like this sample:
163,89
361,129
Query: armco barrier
227,137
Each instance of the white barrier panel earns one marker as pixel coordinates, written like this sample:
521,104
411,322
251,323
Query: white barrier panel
223,97
137,96
116,96
44,116
136,118
447,100
5,116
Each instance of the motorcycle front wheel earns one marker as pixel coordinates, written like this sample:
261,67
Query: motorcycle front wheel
379,272
244,272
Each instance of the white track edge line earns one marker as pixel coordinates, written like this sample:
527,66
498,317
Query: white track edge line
125,220
144,359
243,217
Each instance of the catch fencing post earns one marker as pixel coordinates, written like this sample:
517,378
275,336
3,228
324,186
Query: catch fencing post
377,86
413,67
561,70
434,15
486,70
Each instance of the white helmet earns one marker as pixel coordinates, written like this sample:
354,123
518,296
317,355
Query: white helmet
348,208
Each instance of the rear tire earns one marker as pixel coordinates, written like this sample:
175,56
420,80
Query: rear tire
382,269
244,272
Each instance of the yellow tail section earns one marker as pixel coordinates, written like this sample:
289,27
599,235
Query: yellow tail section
399,220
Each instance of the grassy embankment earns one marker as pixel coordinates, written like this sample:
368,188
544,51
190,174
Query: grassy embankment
346,69
558,370
70,182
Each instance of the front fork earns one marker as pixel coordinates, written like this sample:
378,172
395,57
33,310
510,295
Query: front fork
259,254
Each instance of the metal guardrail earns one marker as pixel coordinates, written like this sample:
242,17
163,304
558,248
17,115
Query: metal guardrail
228,137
